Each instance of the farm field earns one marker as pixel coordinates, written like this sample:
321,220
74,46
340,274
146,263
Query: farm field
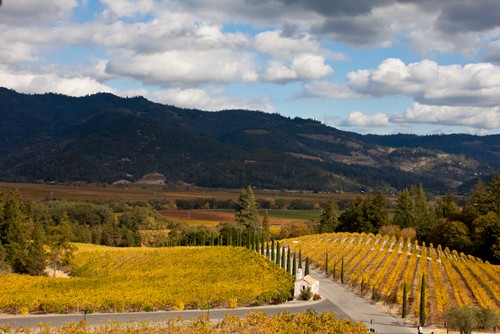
108,279
213,217
377,267
145,192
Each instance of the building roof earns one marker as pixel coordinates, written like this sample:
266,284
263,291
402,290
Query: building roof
310,280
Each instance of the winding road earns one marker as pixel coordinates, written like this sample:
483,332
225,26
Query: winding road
335,299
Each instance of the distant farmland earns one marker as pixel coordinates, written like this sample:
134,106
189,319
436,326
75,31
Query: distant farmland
144,192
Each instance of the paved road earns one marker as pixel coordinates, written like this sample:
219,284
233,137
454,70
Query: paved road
359,309
215,314
335,299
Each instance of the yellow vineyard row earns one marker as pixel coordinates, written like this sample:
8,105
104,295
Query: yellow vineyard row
375,264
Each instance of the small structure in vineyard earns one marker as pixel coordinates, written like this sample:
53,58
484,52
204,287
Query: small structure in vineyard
302,283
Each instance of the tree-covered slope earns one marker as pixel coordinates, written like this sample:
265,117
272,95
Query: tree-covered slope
104,138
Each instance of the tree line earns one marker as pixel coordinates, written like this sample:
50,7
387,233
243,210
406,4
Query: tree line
473,228
35,234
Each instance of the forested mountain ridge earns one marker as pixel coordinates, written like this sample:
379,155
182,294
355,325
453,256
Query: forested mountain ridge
104,138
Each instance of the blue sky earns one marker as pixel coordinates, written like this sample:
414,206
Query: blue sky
368,66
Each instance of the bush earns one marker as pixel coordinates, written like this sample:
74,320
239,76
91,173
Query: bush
468,318
306,294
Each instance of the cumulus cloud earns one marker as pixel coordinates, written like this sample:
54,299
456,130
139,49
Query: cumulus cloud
325,89
303,67
358,119
277,44
466,16
429,83
184,67
32,12
31,82
477,117
126,8
210,100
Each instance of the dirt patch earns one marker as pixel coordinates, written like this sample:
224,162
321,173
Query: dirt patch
59,273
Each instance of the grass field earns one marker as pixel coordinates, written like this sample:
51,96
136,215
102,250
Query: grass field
111,279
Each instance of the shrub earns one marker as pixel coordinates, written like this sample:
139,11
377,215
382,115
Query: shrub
306,294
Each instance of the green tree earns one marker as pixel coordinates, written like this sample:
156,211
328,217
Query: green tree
486,319
328,220
266,233
486,237
288,260
447,208
364,215
352,219
461,319
422,313
294,264
454,235
14,232
342,270
405,300
423,222
326,264
306,270
278,253
36,258
403,212
246,213
494,195
283,258
376,211
60,247
300,257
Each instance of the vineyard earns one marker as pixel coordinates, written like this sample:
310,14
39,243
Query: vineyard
378,266
255,323
110,279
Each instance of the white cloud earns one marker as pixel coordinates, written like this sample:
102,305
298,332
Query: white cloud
184,67
429,83
274,43
477,117
310,66
126,8
357,119
51,82
206,100
277,72
303,67
32,12
325,89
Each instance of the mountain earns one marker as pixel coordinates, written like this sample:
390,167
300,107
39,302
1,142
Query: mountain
105,138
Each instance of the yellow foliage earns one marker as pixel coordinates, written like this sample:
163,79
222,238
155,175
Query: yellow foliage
385,263
130,279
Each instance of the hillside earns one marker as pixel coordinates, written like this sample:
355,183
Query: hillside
105,138
137,279
377,266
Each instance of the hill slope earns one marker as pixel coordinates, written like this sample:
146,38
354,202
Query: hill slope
104,138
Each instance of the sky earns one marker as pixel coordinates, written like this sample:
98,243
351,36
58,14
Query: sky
366,66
